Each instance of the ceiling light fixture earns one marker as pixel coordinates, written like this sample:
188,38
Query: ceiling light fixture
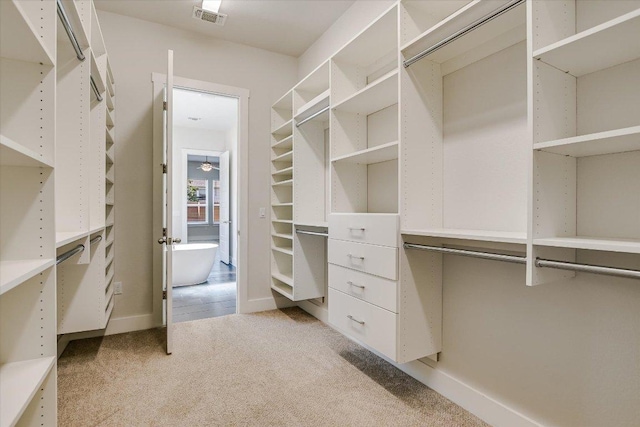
211,5
207,166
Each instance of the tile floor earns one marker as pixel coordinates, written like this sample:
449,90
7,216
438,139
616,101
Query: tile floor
216,297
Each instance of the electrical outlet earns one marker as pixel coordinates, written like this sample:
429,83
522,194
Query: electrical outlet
118,288
262,213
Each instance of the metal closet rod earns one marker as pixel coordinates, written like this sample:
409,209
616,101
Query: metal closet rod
474,25
313,116
312,233
95,240
94,87
65,256
539,262
62,14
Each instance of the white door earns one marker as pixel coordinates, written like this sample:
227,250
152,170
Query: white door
225,218
167,229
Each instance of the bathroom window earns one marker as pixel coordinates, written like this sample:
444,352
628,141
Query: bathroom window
197,201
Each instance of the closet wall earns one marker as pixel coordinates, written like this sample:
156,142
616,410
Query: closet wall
559,353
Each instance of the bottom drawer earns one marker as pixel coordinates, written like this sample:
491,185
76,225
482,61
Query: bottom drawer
372,325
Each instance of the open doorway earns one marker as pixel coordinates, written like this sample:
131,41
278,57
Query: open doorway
204,205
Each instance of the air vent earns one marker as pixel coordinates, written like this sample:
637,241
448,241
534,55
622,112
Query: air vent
206,15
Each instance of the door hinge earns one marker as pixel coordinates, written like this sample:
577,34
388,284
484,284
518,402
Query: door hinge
164,105
164,167
164,294
164,232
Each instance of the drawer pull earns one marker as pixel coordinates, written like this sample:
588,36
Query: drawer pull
361,258
350,283
355,228
355,320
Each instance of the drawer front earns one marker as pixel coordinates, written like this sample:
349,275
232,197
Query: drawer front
364,322
378,260
373,289
376,229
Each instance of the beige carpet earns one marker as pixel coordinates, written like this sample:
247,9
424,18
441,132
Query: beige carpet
277,368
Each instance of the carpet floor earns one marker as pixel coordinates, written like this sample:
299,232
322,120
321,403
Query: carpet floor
276,368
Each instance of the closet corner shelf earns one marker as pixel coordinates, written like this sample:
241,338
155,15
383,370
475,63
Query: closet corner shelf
109,275
15,154
282,236
66,237
108,261
286,251
591,243
315,105
284,143
110,106
378,154
109,180
17,26
109,224
285,129
283,172
109,135
283,289
478,235
110,88
376,96
96,74
110,122
109,242
606,45
490,32
18,271
609,142
19,382
286,157
285,102
109,157
286,183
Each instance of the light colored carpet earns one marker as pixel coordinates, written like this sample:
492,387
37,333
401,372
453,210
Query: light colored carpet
276,368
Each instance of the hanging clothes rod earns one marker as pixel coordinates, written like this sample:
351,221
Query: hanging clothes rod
62,14
464,252
455,36
312,233
94,87
65,256
588,268
313,116
95,240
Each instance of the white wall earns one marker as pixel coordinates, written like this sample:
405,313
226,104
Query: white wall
232,146
136,49
565,354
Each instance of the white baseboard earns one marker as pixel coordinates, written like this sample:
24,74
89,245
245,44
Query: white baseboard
316,311
264,304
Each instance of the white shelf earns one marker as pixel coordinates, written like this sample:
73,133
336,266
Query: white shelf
381,153
66,237
108,261
97,76
109,180
284,143
15,25
16,272
285,102
14,154
284,129
282,205
19,382
479,235
374,97
283,221
110,275
287,183
109,243
286,251
316,104
615,42
312,224
109,72
110,106
283,289
283,278
285,171
110,122
609,142
109,158
111,88
95,230
592,243
109,135
286,157
282,236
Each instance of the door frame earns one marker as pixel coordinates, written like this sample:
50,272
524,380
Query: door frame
240,162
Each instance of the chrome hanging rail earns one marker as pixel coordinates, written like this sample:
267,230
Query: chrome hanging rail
95,240
67,27
480,22
475,254
94,87
312,233
313,116
587,268
65,256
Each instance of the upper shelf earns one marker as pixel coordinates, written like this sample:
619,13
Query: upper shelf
377,154
374,97
609,142
285,129
591,243
477,235
316,82
15,24
615,42
285,102
312,107
284,143
18,271
14,154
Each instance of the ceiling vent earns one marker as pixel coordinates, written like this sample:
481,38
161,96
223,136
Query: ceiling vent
209,16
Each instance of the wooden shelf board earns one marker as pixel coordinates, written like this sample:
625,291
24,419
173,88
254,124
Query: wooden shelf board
378,154
110,122
19,382
18,271
284,129
374,97
612,43
109,72
316,104
312,224
609,142
286,251
282,236
283,221
110,105
479,235
110,275
285,102
109,242
283,172
284,143
66,237
97,76
15,25
108,311
286,157
316,81
111,88
109,180
109,135
282,205
480,43
15,154
591,243
283,289
108,261
287,183
96,229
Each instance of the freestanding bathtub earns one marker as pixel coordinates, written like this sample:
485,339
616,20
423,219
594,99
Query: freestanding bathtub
192,263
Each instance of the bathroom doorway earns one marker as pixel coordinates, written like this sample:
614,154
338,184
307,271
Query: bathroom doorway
204,205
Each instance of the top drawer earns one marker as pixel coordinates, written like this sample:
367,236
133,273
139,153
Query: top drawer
376,229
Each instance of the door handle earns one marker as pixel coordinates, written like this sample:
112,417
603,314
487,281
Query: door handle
169,240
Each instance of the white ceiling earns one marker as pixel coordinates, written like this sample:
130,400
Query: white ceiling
213,112
284,26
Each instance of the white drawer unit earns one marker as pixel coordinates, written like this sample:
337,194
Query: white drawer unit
378,260
373,289
376,229
367,323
